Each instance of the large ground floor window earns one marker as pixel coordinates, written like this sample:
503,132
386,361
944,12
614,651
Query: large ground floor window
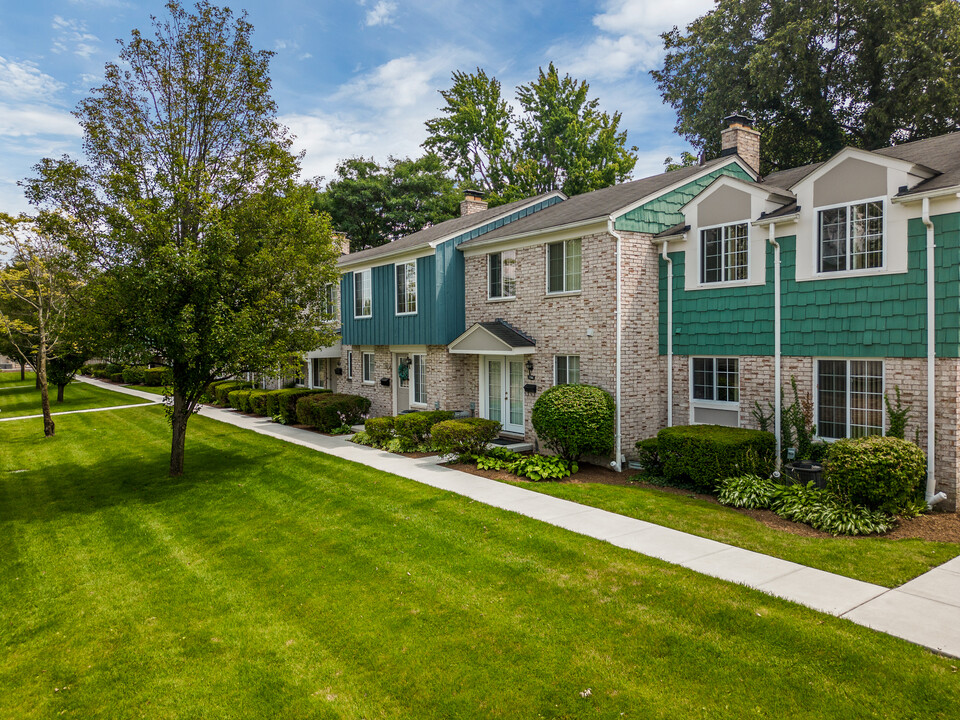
849,398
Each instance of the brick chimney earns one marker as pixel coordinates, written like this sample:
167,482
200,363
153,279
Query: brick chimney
341,241
739,137
472,202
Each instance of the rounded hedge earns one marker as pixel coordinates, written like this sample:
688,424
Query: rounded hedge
575,420
881,473
703,455
379,429
329,411
464,437
415,427
258,401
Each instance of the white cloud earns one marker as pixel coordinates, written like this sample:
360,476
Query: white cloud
72,36
381,13
629,37
28,120
25,81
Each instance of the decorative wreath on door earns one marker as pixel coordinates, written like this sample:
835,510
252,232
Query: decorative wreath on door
403,371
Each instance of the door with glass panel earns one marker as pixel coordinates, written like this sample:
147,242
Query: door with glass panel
503,392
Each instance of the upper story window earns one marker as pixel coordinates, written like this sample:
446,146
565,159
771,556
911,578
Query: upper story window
724,254
328,300
406,288
362,294
564,264
716,379
850,237
502,274
566,370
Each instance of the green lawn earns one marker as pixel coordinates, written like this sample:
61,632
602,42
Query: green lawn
153,389
11,378
872,559
276,582
17,401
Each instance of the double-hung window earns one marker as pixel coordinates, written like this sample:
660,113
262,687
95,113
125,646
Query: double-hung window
349,364
850,237
724,253
419,379
328,300
367,360
362,294
564,265
502,274
406,288
849,398
716,379
566,370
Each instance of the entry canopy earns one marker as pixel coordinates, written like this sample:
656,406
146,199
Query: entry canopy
493,338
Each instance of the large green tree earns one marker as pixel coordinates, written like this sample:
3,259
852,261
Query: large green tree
561,140
816,75
201,239
373,204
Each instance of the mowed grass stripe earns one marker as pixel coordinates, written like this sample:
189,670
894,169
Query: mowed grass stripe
25,402
500,616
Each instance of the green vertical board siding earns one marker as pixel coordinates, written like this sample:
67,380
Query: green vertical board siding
441,295
852,316
663,212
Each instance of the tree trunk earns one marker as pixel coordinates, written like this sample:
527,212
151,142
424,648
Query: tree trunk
60,393
181,413
23,370
48,425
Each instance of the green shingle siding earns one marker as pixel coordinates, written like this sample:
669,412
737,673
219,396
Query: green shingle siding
878,316
441,311
657,215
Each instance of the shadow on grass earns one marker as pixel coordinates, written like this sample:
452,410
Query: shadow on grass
53,490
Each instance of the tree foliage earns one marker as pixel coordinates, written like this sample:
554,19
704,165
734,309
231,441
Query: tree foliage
816,76
561,140
204,246
373,204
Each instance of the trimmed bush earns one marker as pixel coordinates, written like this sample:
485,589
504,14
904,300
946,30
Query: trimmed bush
575,420
463,437
157,377
223,389
648,457
233,398
117,376
703,455
133,375
415,427
258,401
329,411
379,430
284,402
880,473
100,373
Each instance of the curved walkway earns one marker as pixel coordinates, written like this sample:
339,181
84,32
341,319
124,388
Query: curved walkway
925,611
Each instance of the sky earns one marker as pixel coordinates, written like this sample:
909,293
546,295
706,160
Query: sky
350,77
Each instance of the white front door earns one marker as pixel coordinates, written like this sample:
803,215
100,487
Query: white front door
501,392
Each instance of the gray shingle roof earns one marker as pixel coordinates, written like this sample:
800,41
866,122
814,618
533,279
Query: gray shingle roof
597,204
941,153
503,330
452,227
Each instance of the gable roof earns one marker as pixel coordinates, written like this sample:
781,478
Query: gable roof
599,204
441,231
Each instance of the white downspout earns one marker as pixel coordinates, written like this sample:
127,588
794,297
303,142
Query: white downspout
663,252
932,496
772,239
618,438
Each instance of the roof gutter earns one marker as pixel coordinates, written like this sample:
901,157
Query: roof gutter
929,195
618,437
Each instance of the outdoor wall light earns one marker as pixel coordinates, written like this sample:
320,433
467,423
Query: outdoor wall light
529,366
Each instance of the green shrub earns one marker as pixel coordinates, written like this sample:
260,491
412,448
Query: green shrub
117,376
575,420
825,511
233,399
543,467
703,455
379,430
415,427
258,401
648,457
362,438
468,436
133,375
746,491
880,473
282,404
100,373
222,389
329,411
157,377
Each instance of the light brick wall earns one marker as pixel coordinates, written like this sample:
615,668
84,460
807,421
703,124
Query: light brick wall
381,398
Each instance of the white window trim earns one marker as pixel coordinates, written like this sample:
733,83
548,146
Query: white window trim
416,288
349,364
701,259
500,298
816,394
369,273
716,404
546,265
373,368
820,274
413,383
579,369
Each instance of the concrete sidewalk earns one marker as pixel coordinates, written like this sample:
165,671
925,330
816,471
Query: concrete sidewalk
925,610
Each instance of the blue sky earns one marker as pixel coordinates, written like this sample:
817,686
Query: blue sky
350,77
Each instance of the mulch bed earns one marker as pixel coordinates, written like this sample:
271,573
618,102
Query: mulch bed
935,526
